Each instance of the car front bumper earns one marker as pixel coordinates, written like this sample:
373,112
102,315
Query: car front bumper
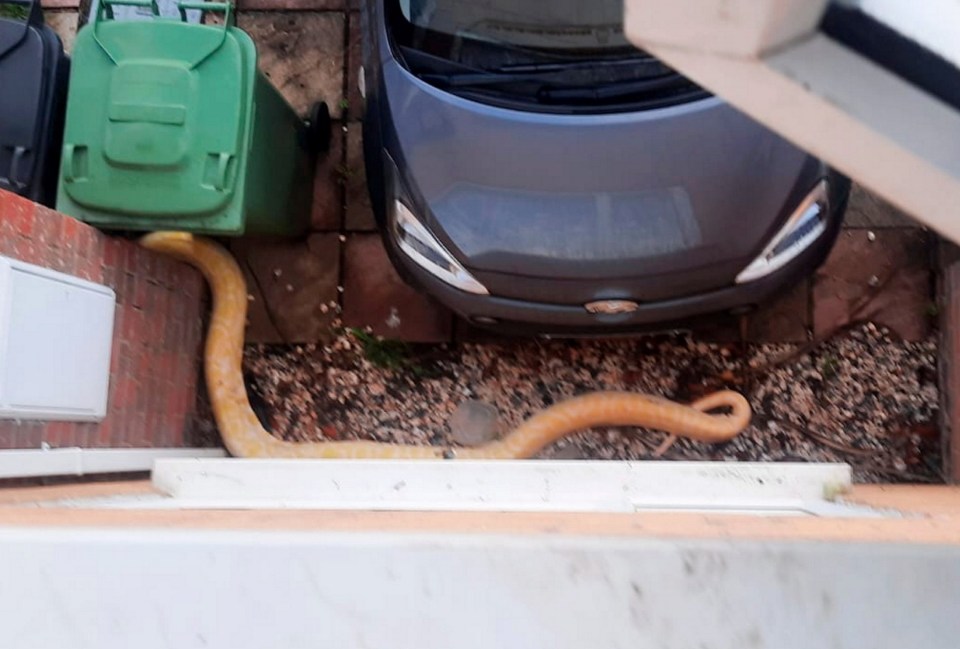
558,320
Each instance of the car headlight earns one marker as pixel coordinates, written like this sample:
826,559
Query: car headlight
424,250
803,227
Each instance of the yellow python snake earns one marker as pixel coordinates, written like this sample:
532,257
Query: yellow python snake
244,436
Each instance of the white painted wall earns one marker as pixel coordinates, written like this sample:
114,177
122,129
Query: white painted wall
936,23
105,589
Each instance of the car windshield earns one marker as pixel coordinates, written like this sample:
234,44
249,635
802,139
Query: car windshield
570,27
561,55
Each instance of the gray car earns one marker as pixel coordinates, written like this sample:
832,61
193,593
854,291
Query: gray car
536,173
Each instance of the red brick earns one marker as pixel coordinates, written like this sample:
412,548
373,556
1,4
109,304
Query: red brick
146,263
8,432
105,432
129,287
46,226
63,257
165,272
58,433
152,422
137,434
125,395
17,214
122,422
87,259
183,403
108,277
26,250
129,325
30,434
139,292
85,434
69,227
145,365
112,252
128,254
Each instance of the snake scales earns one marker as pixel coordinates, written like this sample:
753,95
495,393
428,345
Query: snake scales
244,436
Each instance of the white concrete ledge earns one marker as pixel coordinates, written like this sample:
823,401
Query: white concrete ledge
537,485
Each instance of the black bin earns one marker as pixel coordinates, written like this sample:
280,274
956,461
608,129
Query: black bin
34,72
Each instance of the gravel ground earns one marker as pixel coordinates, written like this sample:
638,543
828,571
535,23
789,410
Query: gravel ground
861,397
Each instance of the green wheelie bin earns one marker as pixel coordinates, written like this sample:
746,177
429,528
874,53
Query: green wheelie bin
170,126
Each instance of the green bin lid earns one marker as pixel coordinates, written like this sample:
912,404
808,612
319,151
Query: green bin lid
157,117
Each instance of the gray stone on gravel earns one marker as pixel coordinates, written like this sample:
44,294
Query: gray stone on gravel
474,423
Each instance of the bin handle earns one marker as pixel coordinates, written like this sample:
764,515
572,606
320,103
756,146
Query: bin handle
223,162
18,154
69,164
105,10
228,21
105,7
225,7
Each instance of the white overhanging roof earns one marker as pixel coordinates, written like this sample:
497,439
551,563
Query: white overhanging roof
873,116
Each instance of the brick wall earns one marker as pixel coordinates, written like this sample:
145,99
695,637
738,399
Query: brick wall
154,368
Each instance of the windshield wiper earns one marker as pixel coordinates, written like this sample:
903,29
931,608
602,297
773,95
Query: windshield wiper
640,58
616,90
473,79
644,68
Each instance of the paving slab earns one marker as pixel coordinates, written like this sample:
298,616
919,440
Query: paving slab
867,210
301,53
328,185
292,287
359,212
64,23
375,296
882,276
786,319
355,103
949,365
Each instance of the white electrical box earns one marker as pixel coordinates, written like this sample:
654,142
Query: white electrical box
55,338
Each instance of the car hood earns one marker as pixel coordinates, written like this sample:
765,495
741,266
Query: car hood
695,189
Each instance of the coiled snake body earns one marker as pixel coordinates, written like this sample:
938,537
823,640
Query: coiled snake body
244,436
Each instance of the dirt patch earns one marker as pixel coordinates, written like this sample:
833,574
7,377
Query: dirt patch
862,397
